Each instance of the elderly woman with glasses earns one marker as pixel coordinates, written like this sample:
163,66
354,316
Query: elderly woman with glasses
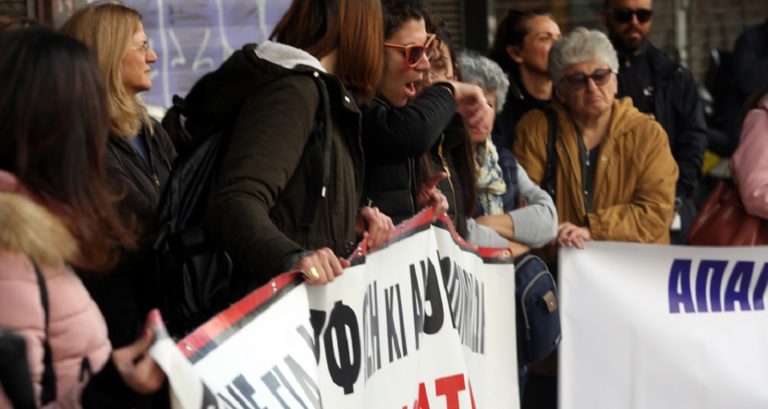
613,174
502,189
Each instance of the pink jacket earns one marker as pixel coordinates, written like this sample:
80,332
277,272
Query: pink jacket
77,329
749,164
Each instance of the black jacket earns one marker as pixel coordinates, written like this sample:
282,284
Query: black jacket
451,155
255,212
677,108
393,140
518,103
125,294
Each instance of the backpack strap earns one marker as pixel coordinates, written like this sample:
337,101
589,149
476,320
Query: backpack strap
49,376
322,132
549,183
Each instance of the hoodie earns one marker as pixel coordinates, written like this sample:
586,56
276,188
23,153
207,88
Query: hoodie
266,97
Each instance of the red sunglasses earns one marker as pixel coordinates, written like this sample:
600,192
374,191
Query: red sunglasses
414,52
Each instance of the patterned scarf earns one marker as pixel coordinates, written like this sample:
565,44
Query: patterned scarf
490,183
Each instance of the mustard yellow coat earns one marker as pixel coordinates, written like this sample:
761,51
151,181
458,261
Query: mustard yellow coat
634,188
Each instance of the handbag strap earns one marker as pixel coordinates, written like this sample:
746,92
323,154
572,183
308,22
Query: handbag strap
49,376
549,183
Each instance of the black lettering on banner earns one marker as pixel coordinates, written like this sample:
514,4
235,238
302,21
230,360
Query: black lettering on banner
304,333
371,345
246,390
224,398
308,385
481,331
209,400
418,307
466,300
317,319
451,282
392,341
433,302
343,372
288,386
273,385
464,315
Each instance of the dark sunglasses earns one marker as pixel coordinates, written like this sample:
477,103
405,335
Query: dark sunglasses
624,15
414,52
580,80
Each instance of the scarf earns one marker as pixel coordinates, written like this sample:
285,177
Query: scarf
490,183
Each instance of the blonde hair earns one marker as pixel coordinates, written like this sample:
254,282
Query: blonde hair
107,29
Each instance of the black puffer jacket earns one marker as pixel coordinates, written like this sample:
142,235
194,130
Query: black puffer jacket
677,108
393,141
256,211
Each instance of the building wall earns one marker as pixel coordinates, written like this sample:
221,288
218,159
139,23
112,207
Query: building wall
711,23
13,7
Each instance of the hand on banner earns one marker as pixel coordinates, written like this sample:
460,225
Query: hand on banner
376,226
321,266
431,196
570,235
138,370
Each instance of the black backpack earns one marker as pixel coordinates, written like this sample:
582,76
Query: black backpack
538,318
193,272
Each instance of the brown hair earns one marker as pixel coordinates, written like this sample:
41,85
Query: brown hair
463,154
353,28
53,137
107,29
511,32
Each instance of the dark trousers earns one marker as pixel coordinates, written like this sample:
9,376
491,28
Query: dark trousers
540,392
687,212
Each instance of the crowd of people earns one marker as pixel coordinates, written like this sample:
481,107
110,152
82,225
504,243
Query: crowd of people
353,117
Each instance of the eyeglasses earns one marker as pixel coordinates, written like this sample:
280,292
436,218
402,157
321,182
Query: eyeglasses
414,52
624,15
144,47
580,80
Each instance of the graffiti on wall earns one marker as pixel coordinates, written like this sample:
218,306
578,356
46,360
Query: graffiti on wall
193,37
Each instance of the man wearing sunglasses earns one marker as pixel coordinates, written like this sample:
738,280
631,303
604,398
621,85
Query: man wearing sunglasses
664,88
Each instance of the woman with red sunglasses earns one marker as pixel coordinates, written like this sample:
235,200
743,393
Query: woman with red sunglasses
401,124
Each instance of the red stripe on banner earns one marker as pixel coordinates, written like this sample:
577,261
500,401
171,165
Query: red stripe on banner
494,253
423,218
236,312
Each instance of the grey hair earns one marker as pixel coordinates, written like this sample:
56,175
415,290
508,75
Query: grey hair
580,45
485,73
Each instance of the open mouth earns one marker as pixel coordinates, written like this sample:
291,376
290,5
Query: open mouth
410,89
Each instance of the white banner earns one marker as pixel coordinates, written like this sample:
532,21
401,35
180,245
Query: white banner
648,326
423,323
